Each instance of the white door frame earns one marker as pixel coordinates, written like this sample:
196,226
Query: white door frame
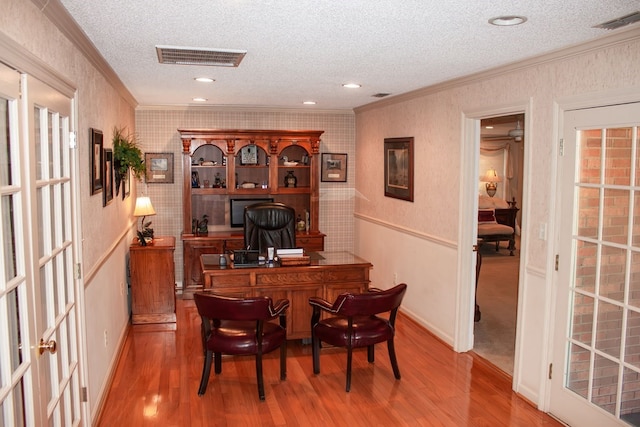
463,340
16,57
561,106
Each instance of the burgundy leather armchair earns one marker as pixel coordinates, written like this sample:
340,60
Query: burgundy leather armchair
355,322
241,326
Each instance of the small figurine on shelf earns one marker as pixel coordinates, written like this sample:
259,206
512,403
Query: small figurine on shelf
217,182
301,224
201,227
290,180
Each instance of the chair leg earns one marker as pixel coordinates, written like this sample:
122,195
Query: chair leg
259,376
218,363
206,370
315,349
349,357
283,360
392,357
370,353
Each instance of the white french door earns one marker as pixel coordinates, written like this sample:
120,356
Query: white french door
39,363
596,357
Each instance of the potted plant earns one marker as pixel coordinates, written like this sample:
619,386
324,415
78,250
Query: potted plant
126,156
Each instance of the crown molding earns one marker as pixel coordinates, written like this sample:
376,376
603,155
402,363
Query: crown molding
241,109
60,17
620,36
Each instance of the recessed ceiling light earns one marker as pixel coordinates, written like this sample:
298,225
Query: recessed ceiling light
351,85
506,21
488,127
204,79
200,99
309,102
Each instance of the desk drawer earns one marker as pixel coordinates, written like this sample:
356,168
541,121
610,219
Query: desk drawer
231,281
310,243
288,278
346,275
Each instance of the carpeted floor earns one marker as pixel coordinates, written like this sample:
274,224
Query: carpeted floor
495,333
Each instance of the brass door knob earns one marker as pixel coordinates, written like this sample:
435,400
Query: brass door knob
50,346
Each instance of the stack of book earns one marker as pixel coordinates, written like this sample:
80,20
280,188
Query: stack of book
294,256
289,253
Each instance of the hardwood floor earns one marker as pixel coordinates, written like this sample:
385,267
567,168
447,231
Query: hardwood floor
157,378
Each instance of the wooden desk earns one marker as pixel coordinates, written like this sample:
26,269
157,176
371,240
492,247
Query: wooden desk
329,275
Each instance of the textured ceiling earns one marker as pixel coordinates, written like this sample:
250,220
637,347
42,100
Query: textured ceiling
300,50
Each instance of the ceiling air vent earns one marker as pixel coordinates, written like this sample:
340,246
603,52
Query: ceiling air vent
199,56
380,95
620,22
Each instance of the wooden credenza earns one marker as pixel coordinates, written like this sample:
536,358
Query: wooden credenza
329,275
153,297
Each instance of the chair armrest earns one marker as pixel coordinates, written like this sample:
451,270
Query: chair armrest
279,307
321,304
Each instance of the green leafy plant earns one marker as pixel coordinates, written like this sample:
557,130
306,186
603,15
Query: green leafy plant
126,156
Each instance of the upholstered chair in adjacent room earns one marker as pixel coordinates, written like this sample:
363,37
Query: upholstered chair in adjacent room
357,320
269,224
241,326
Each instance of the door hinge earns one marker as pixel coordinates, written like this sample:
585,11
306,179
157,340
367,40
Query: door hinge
550,370
562,146
73,141
557,261
83,392
78,271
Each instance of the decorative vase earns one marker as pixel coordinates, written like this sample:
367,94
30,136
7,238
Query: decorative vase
290,180
300,224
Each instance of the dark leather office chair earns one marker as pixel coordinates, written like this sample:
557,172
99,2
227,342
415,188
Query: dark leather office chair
355,323
269,224
241,326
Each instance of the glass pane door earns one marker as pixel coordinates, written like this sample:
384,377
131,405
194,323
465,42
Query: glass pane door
599,282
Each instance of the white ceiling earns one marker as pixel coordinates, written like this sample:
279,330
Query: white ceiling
301,50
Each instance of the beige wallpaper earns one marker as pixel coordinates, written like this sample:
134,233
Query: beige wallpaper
157,130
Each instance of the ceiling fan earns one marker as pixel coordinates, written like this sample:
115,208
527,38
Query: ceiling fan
515,134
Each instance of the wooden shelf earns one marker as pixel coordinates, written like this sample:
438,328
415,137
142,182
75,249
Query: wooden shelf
224,146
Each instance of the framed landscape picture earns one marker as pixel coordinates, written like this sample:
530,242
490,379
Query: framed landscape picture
398,168
159,167
333,167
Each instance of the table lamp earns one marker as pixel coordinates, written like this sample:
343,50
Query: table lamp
492,179
143,208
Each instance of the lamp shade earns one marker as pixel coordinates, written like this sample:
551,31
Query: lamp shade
491,176
143,207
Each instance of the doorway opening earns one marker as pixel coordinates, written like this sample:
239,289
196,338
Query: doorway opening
500,190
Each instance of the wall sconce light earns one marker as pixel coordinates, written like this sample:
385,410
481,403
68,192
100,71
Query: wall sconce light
492,179
143,209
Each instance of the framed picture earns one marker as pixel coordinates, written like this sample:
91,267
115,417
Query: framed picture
127,185
159,167
249,155
95,139
108,176
398,168
334,167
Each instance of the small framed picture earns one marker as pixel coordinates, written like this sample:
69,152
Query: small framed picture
159,168
334,167
97,178
126,190
108,177
249,155
398,168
